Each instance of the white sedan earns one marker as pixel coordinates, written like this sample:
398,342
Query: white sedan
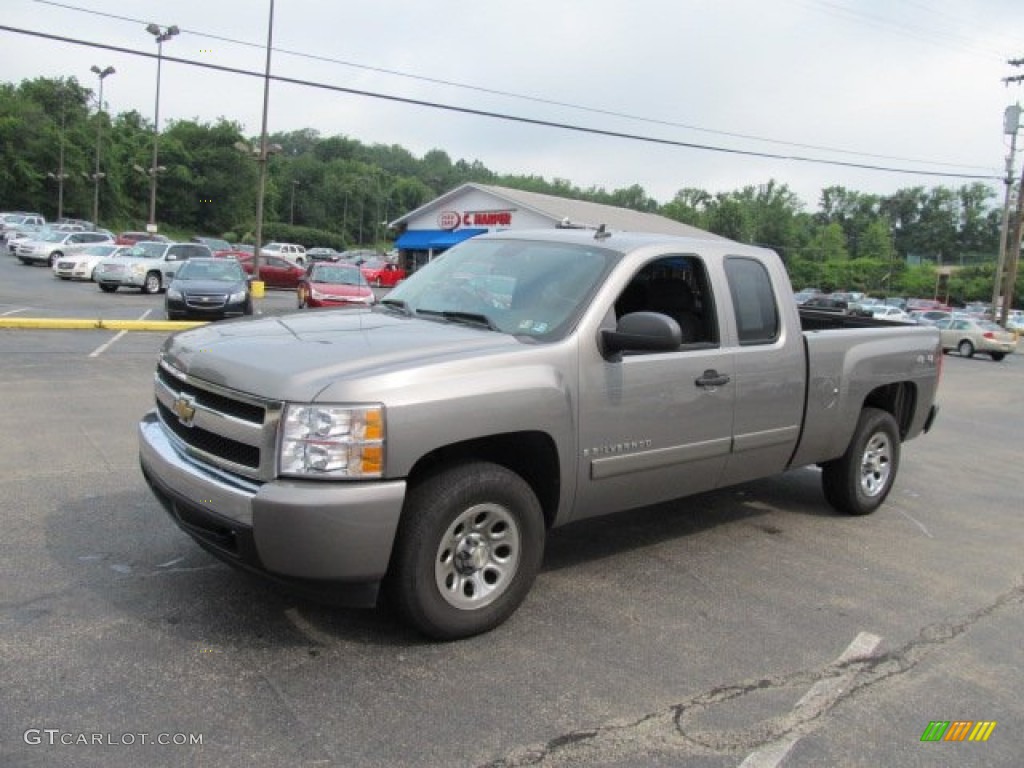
891,313
80,264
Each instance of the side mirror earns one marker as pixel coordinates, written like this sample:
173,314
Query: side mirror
642,332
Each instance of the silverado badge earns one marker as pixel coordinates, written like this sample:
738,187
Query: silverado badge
185,409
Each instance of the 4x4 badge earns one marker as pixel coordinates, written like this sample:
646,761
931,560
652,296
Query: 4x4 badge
185,409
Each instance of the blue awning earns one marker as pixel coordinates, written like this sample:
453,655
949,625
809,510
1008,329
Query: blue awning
434,239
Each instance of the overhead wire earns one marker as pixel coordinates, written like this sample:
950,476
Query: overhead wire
491,114
528,98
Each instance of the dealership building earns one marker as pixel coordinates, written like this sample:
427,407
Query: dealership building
474,209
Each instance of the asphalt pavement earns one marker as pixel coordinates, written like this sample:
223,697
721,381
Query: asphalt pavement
752,626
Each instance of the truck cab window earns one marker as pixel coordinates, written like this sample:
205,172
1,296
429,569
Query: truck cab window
753,301
676,286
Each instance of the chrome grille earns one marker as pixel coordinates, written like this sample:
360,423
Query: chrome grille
230,430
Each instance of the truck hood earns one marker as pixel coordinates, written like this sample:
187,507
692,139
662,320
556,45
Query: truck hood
295,357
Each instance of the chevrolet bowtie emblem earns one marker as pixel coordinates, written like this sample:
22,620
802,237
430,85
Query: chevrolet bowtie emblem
185,409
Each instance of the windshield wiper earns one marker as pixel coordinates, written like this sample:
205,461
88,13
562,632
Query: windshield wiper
469,318
398,305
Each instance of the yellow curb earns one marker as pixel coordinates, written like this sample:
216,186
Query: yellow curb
74,323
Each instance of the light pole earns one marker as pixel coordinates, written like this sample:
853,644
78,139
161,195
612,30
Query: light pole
60,175
162,35
96,176
291,215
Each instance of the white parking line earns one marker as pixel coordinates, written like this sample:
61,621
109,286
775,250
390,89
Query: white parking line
819,699
12,311
106,345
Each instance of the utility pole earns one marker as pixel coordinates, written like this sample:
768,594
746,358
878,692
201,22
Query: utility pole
1013,251
1011,122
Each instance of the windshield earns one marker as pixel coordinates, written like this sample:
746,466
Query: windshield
54,237
220,271
520,287
340,275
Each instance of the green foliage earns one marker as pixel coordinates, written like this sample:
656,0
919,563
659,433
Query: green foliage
338,191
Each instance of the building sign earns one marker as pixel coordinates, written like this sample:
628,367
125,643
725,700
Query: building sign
448,220
487,219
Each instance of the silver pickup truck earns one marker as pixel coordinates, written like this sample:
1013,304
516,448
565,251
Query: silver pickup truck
521,381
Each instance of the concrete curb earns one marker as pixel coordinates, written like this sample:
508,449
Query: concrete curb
75,323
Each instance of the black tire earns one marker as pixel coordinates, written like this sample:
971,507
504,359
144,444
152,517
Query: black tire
469,546
965,348
858,482
998,356
54,257
152,283
107,288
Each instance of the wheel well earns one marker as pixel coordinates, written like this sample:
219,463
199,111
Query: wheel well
531,455
899,399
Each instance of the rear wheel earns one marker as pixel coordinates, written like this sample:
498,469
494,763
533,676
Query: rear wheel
858,482
468,549
965,348
998,356
54,257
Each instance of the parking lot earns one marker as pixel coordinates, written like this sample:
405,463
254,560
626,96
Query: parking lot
752,626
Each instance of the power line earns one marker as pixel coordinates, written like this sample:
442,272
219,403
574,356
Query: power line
496,115
522,97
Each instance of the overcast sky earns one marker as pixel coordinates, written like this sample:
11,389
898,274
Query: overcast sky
907,84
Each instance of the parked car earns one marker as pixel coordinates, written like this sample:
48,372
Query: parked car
334,285
296,254
323,254
215,244
930,316
80,265
925,305
967,336
208,289
359,256
131,238
18,221
891,313
382,273
243,247
840,306
53,245
148,266
274,272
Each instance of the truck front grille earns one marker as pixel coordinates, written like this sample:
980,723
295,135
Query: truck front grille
230,430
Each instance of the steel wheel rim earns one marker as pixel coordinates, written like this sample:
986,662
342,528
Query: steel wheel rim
478,556
876,465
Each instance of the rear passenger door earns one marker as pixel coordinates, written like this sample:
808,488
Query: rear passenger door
768,372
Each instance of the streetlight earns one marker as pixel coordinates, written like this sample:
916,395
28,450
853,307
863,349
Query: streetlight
60,175
291,216
162,35
102,74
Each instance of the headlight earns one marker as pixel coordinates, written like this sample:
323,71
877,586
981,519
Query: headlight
236,298
174,294
332,440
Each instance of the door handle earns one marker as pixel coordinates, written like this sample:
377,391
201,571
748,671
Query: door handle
712,378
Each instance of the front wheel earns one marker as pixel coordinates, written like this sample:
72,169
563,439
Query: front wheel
106,288
152,283
966,349
998,356
468,549
858,482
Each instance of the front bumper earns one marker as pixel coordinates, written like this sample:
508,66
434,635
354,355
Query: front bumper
291,530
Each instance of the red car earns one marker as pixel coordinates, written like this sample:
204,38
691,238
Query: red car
334,285
274,272
380,273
